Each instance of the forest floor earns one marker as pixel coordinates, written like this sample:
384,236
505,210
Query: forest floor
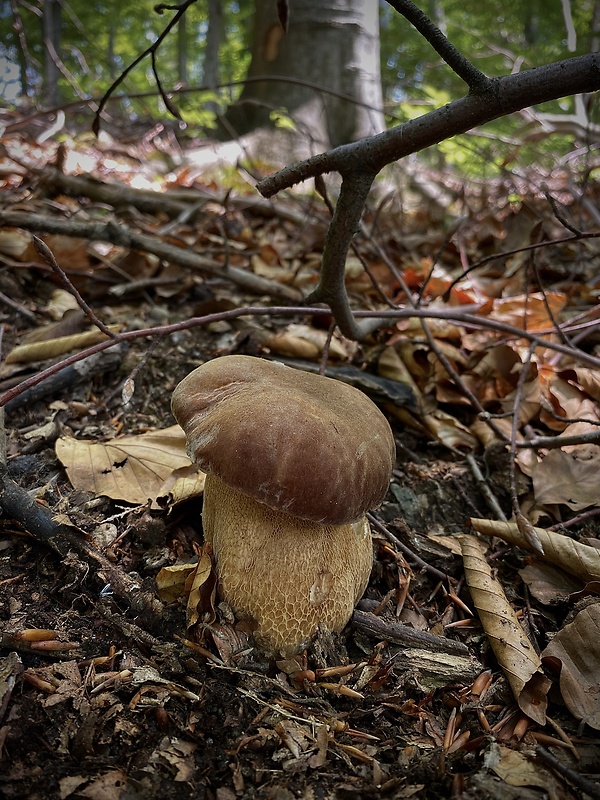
105,692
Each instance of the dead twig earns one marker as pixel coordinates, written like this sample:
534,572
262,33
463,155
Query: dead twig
406,551
484,487
118,234
46,254
379,628
586,785
468,320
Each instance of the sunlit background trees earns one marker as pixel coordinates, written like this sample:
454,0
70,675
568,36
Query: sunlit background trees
60,51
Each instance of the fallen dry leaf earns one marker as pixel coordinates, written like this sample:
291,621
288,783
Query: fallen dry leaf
178,755
130,468
587,378
515,653
576,651
515,769
580,560
564,399
182,484
303,341
202,590
569,475
448,430
40,351
109,786
170,581
529,311
548,583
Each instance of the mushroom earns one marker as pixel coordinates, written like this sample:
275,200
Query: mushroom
293,462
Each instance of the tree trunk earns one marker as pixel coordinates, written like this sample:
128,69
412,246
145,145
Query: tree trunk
51,23
182,52
21,46
214,35
331,45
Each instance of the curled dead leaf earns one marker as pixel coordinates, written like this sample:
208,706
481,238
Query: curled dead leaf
182,484
303,341
528,532
580,560
569,475
171,580
40,351
202,590
515,653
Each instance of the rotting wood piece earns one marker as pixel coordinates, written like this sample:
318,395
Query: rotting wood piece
433,660
380,628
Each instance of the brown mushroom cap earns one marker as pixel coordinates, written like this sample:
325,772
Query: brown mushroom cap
306,445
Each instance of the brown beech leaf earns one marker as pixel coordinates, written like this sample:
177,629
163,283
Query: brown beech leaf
548,583
516,769
576,649
171,580
302,341
130,468
72,322
202,587
448,430
587,378
568,476
580,560
515,653
182,484
529,311
527,530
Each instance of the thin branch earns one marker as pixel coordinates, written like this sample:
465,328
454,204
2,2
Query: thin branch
345,222
150,50
119,234
406,551
507,94
47,255
554,442
198,88
358,163
468,320
476,80
20,309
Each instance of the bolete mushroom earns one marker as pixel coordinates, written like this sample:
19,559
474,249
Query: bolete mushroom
293,462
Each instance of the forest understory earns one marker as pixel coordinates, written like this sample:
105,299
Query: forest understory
122,676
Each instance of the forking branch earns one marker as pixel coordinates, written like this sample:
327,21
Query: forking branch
359,163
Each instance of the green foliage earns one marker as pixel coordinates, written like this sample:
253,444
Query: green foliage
498,39
99,40
282,120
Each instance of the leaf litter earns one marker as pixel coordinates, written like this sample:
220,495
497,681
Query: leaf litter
133,704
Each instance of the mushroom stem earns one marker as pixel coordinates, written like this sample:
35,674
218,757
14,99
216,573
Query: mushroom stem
288,576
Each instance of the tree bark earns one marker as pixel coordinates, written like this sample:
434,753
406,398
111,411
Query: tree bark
21,45
324,71
182,53
51,24
214,36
